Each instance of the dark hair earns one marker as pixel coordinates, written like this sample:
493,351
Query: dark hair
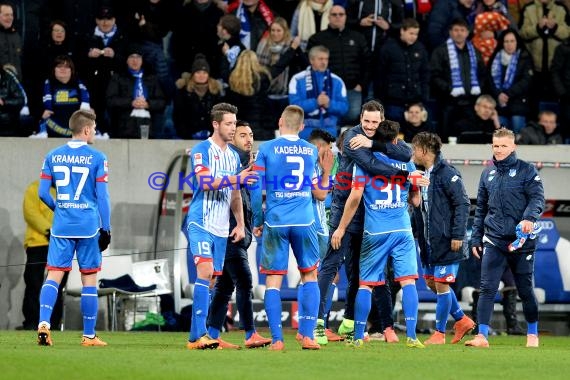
428,141
220,109
231,24
321,134
501,43
410,23
387,131
57,22
372,106
546,113
242,123
459,22
67,61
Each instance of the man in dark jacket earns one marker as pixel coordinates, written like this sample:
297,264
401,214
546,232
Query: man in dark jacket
237,273
458,77
133,97
510,197
543,132
402,76
11,102
10,41
104,55
442,233
349,58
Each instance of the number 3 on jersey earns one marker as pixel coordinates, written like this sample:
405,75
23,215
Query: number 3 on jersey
297,173
63,184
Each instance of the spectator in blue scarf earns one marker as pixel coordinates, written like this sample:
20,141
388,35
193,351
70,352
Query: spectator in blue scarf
510,67
134,97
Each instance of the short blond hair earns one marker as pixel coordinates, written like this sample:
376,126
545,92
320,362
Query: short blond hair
80,120
293,117
504,132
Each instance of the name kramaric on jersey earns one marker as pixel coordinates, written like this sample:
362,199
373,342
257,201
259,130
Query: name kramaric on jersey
293,149
71,159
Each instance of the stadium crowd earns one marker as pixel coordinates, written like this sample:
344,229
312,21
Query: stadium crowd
166,63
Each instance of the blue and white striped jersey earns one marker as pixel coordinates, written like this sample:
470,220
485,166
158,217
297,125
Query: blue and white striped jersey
210,209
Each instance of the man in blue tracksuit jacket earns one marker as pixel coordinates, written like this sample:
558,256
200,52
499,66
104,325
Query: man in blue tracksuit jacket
510,194
320,93
441,227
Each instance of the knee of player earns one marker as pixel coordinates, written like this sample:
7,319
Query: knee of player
431,284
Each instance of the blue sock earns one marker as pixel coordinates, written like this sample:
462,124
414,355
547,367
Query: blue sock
300,311
48,296
484,330
248,334
89,306
410,304
328,303
532,328
200,308
442,310
362,306
213,332
273,310
193,335
456,311
310,303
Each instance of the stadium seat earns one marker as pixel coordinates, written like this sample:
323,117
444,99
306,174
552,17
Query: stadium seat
116,263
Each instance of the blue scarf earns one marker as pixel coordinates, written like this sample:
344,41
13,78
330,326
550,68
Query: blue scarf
312,86
457,88
106,37
138,89
497,71
245,32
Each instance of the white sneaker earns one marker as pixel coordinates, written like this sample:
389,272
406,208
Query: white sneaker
41,135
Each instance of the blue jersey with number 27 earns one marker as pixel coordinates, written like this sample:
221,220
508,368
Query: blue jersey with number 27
385,201
287,167
74,169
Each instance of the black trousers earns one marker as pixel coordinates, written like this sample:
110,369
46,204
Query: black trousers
236,275
34,276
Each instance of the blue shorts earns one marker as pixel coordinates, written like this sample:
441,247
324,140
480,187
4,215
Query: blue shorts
275,253
204,246
61,252
375,252
442,273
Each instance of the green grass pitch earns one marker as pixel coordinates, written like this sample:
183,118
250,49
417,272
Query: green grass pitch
151,355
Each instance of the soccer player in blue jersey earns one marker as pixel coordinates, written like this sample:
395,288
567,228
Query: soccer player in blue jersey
356,140
81,222
442,233
387,233
216,182
288,168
